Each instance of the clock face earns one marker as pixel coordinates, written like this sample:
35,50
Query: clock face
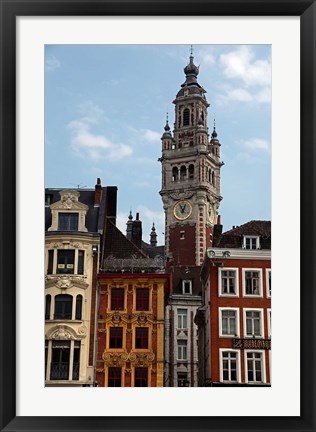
182,210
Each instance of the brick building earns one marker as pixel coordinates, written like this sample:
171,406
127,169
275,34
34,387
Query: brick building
235,318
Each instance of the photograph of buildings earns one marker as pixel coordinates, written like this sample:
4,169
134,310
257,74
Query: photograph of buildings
157,215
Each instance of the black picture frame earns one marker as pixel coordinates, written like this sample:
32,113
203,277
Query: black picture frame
9,10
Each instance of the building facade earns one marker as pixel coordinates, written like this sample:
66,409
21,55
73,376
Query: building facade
191,195
235,319
74,224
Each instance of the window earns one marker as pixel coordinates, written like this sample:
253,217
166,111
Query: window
182,235
252,282
186,117
59,369
187,286
253,323
191,171
76,361
114,377
63,307
183,173
79,307
254,367
268,278
48,299
183,379
117,298
50,261
141,377
228,282
175,173
63,366
68,221
251,242
269,322
142,299
116,337
182,319
229,322
65,261
80,261
141,337
229,366
182,350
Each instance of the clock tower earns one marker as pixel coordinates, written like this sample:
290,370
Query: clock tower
190,175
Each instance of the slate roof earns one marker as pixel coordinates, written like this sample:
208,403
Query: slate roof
153,251
86,197
116,244
234,237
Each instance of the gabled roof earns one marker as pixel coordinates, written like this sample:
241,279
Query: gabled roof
234,237
117,245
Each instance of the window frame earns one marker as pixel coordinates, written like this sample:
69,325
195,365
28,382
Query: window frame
143,369
116,348
114,288
221,365
141,338
137,290
70,300
184,349
260,282
180,317
220,282
184,282
263,366
268,278
68,218
108,375
220,318
260,310
251,237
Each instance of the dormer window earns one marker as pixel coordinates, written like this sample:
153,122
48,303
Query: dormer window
251,242
187,286
68,221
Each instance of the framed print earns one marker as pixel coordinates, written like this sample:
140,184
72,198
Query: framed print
32,33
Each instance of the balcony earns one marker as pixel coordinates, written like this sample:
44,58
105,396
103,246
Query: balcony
60,371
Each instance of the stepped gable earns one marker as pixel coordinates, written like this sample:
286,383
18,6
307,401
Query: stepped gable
234,237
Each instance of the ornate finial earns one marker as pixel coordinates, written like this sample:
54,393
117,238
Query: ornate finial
191,51
167,127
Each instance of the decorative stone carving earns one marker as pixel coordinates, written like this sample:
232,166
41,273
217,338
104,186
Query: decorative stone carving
141,359
66,282
114,359
181,195
82,330
64,332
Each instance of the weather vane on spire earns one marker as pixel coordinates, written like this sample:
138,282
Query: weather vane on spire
191,50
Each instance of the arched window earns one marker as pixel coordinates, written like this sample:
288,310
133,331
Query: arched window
175,174
63,307
186,117
183,172
79,307
191,171
48,300
213,178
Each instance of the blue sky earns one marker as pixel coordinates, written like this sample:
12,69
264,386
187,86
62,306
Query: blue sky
105,110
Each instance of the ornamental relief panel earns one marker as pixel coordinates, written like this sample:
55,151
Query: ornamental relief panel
66,282
181,195
120,359
141,318
65,332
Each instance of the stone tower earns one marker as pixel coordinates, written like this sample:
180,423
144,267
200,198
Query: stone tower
190,175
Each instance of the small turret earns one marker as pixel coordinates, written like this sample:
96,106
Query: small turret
129,224
153,236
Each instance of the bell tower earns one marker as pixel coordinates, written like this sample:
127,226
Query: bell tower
190,175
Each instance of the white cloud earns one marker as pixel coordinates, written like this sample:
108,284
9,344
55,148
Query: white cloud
52,63
90,145
242,64
256,144
150,135
235,95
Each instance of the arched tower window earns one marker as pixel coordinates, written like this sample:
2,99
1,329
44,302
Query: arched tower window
78,307
186,117
175,174
183,172
213,178
191,171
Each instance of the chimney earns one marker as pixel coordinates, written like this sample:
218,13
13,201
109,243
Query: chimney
110,203
219,220
217,231
97,193
137,232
